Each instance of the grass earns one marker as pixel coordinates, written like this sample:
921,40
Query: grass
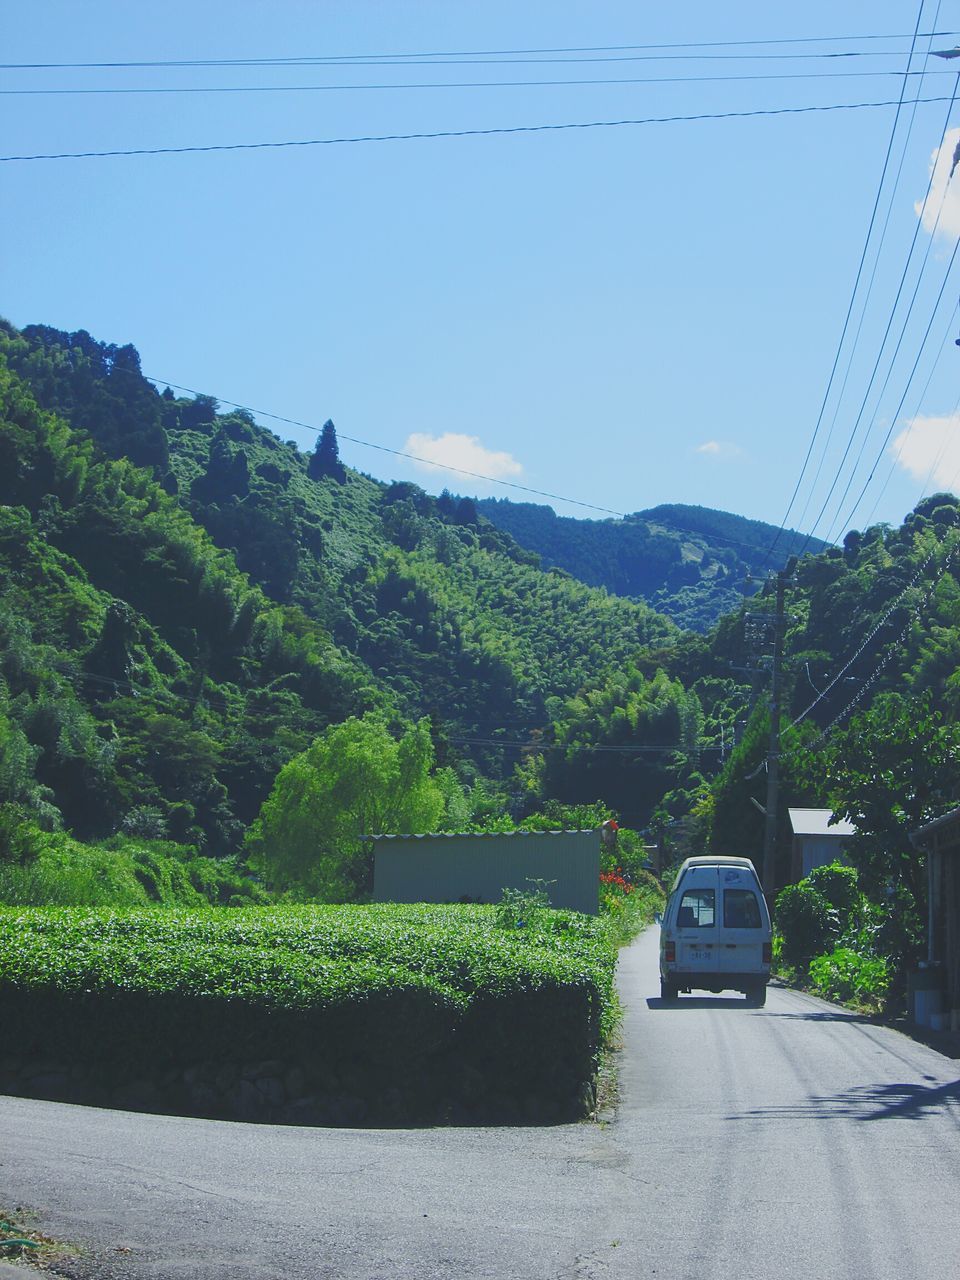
21,1242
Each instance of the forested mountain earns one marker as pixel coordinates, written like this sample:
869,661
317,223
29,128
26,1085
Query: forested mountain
187,601
691,563
174,631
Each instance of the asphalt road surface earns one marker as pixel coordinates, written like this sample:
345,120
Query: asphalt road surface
792,1141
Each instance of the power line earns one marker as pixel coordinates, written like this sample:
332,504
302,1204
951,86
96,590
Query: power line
882,622
856,286
591,748
404,58
397,453
899,343
837,525
896,414
874,676
920,400
869,293
466,84
314,431
152,693
465,133
886,334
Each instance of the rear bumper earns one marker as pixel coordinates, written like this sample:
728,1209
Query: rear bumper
703,980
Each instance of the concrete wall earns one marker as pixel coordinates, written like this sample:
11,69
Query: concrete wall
439,868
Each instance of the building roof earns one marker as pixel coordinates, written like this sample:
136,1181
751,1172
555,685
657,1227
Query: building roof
484,835
817,822
934,827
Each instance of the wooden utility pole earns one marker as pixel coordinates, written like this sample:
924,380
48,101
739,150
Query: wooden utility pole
773,750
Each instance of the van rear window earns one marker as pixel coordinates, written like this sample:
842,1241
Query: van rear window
697,909
740,909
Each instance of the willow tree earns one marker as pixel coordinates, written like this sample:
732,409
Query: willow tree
356,779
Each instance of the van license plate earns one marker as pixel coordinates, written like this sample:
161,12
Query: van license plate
700,955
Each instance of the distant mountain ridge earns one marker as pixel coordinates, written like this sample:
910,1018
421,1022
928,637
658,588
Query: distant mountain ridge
690,563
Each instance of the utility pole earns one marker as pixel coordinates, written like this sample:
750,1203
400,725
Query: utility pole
773,751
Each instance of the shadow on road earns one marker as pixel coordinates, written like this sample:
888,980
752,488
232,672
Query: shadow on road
867,1102
699,1002
829,1015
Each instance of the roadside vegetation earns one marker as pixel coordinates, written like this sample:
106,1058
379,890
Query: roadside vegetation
224,662
416,1012
831,938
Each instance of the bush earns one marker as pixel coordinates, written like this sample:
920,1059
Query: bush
839,884
423,1009
523,908
806,922
123,872
848,975
629,912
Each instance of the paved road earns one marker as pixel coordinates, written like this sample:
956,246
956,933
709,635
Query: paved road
792,1141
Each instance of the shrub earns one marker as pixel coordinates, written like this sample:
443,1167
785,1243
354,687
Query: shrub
806,922
848,975
430,1008
629,908
839,884
122,872
523,908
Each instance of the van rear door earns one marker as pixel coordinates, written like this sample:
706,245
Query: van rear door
744,927
696,922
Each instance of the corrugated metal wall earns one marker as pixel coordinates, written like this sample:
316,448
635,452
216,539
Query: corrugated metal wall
438,868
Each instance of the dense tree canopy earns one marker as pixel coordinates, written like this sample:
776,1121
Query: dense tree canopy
355,780
185,605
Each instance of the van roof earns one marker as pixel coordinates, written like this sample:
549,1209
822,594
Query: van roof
720,860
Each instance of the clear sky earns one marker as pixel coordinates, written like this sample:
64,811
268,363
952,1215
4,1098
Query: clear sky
626,316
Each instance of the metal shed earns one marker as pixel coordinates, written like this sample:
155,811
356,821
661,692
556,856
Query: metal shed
817,840
478,867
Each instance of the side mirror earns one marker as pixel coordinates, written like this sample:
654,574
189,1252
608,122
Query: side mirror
658,918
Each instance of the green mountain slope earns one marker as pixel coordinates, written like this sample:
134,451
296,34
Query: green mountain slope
172,635
691,563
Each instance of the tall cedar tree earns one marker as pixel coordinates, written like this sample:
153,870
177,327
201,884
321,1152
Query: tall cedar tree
325,461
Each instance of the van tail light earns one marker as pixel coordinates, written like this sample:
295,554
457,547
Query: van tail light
767,953
670,952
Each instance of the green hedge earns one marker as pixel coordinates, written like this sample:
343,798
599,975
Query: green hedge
436,1009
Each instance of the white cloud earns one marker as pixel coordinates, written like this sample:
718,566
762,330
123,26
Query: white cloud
931,447
455,452
940,162
719,449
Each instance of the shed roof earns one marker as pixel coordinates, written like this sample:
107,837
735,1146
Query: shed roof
817,822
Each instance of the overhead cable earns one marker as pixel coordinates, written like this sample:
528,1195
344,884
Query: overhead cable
941,349
397,453
405,59
896,414
315,431
465,133
877,627
888,655
886,333
853,294
854,345
466,84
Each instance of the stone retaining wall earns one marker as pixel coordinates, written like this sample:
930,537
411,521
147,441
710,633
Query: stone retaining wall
275,1091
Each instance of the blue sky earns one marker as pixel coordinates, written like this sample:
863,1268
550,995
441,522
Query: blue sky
625,316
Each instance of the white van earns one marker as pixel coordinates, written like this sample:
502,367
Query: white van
715,931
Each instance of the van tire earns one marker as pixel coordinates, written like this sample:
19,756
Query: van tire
668,991
757,996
